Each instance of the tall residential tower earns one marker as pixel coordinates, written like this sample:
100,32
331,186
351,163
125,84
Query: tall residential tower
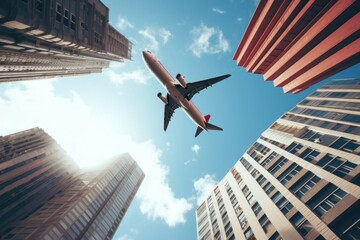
44,196
299,180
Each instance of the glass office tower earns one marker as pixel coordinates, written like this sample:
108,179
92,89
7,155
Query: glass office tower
299,180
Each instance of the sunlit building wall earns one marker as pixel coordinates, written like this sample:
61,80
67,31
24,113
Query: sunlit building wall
33,168
299,180
55,38
296,44
62,202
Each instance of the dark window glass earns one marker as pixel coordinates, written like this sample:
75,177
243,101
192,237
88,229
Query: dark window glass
275,236
301,224
344,169
339,143
58,12
281,162
326,199
276,197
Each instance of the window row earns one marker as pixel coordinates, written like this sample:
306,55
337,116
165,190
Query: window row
327,114
340,143
354,106
323,124
349,95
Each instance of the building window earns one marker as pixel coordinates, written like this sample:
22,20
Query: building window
268,188
206,236
249,235
250,198
276,197
228,229
246,164
242,220
98,38
269,159
287,207
217,236
265,223
245,190
256,208
66,17
58,12
346,145
294,147
340,167
326,199
39,5
281,162
353,232
309,154
289,173
304,184
73,22
275,236
232,237
301,224
261,179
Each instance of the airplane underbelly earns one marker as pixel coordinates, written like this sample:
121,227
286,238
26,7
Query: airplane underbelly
195,115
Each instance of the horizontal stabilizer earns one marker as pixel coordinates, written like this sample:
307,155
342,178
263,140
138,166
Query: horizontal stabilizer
212,127
198,131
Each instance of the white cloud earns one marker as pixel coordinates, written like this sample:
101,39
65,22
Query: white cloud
89,138
217,10
139,76
151,35
164,34
190,161
208,40
239,19
203,187
123,24
195,148
125,237
133,232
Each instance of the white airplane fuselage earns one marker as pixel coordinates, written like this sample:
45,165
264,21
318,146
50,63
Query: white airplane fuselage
168,82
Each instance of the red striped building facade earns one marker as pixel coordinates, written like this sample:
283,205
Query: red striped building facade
298,43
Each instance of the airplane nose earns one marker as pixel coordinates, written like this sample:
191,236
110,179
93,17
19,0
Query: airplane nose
146,55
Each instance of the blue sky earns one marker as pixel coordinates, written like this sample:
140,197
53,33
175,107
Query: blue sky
96,116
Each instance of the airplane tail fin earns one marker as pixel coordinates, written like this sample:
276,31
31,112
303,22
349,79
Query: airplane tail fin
208,126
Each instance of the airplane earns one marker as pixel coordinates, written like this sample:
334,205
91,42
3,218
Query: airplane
180,93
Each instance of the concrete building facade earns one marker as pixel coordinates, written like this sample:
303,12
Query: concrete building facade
40,34
299,180
70,203
296,44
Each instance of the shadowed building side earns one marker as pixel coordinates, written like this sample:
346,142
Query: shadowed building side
299,180
44,195
33,168
74,32
299,43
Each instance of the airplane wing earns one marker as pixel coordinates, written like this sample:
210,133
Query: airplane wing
169,110
195,87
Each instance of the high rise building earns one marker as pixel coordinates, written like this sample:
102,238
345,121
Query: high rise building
33,168
299,180
44,39
70,203
296,44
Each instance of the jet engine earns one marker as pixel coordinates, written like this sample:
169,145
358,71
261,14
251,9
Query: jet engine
181,80
162,98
